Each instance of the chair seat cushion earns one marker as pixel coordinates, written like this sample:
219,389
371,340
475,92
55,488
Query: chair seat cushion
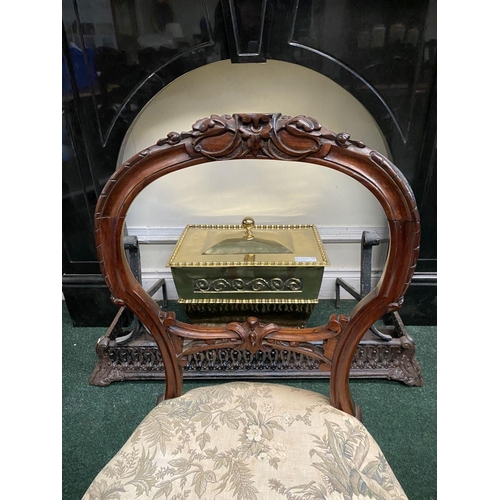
248,441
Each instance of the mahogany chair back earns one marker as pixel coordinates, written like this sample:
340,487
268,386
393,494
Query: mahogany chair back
261,136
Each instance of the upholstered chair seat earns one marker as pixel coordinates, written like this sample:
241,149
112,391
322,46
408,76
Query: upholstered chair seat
248,440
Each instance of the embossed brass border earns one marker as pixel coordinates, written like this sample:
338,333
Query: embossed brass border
250,286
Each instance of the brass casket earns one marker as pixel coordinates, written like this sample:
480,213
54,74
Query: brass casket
226,273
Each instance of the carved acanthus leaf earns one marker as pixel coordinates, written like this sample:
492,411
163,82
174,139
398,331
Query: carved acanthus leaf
252,333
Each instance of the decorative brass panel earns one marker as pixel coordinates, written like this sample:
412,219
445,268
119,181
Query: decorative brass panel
256,285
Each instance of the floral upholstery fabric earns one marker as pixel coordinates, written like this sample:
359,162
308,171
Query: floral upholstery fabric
248,441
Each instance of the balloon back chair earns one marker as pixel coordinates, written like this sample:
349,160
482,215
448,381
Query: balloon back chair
254,440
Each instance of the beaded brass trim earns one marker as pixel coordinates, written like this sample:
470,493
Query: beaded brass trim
247,301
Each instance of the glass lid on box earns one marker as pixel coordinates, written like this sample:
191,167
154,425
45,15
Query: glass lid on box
250,241
249,244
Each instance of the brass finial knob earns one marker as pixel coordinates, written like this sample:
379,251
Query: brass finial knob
248,223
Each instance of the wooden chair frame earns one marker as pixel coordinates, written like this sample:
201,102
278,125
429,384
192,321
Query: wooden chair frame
261,136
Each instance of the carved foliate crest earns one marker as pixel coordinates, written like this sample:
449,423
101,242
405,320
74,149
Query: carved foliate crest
260,135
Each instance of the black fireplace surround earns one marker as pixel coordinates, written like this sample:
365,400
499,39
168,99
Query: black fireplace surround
117,54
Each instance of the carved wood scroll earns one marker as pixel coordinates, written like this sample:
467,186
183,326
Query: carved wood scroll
261,136
254,336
